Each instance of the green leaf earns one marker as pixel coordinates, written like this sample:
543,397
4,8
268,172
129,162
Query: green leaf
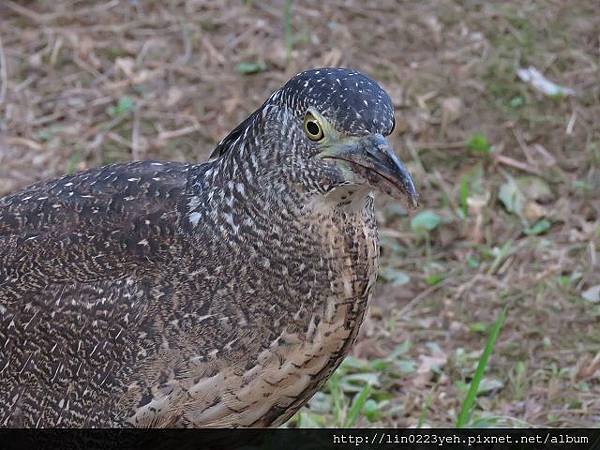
124,106
469,402
511,197
371,410
478,143
566,281
488,385
249,68
401,349
362,378
539,227
434,348
434,278
516,102
478,327
350,382
405,366
394,276
425,221
472,262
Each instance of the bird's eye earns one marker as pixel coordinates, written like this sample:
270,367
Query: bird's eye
312,128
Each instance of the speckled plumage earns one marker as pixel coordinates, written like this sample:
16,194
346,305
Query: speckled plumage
170,294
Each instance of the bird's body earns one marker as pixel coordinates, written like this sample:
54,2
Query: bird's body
169,294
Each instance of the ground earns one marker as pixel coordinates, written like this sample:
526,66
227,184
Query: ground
509,178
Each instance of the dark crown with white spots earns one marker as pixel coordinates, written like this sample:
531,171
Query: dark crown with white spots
352,101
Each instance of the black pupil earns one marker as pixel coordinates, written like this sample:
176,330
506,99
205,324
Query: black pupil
312,128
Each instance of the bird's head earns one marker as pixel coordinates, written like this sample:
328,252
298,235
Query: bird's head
324,130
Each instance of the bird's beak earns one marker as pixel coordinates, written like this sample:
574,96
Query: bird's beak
372,158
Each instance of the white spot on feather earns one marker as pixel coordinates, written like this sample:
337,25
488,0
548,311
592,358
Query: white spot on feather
194,218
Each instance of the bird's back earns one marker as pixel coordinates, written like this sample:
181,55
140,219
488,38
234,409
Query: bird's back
76,259
121,306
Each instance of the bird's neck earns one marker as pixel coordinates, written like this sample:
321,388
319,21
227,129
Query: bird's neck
238,183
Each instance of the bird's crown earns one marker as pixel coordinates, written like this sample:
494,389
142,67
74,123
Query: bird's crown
352,101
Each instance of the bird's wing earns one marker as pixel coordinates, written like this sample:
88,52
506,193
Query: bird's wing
92,225
77,261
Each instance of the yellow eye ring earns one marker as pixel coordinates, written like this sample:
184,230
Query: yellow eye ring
312,128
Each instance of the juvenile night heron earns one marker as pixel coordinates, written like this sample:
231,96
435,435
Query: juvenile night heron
163,294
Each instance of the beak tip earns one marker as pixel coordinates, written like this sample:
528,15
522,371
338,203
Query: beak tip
414,201
411,193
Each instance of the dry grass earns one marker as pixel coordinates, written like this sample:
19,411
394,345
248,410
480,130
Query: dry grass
87,83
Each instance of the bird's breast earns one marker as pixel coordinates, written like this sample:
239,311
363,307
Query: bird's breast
319,328
276,333
314,349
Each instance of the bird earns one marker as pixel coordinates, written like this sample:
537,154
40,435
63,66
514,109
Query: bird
214,294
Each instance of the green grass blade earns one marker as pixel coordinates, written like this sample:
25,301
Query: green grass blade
357,406
467,405
336,398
